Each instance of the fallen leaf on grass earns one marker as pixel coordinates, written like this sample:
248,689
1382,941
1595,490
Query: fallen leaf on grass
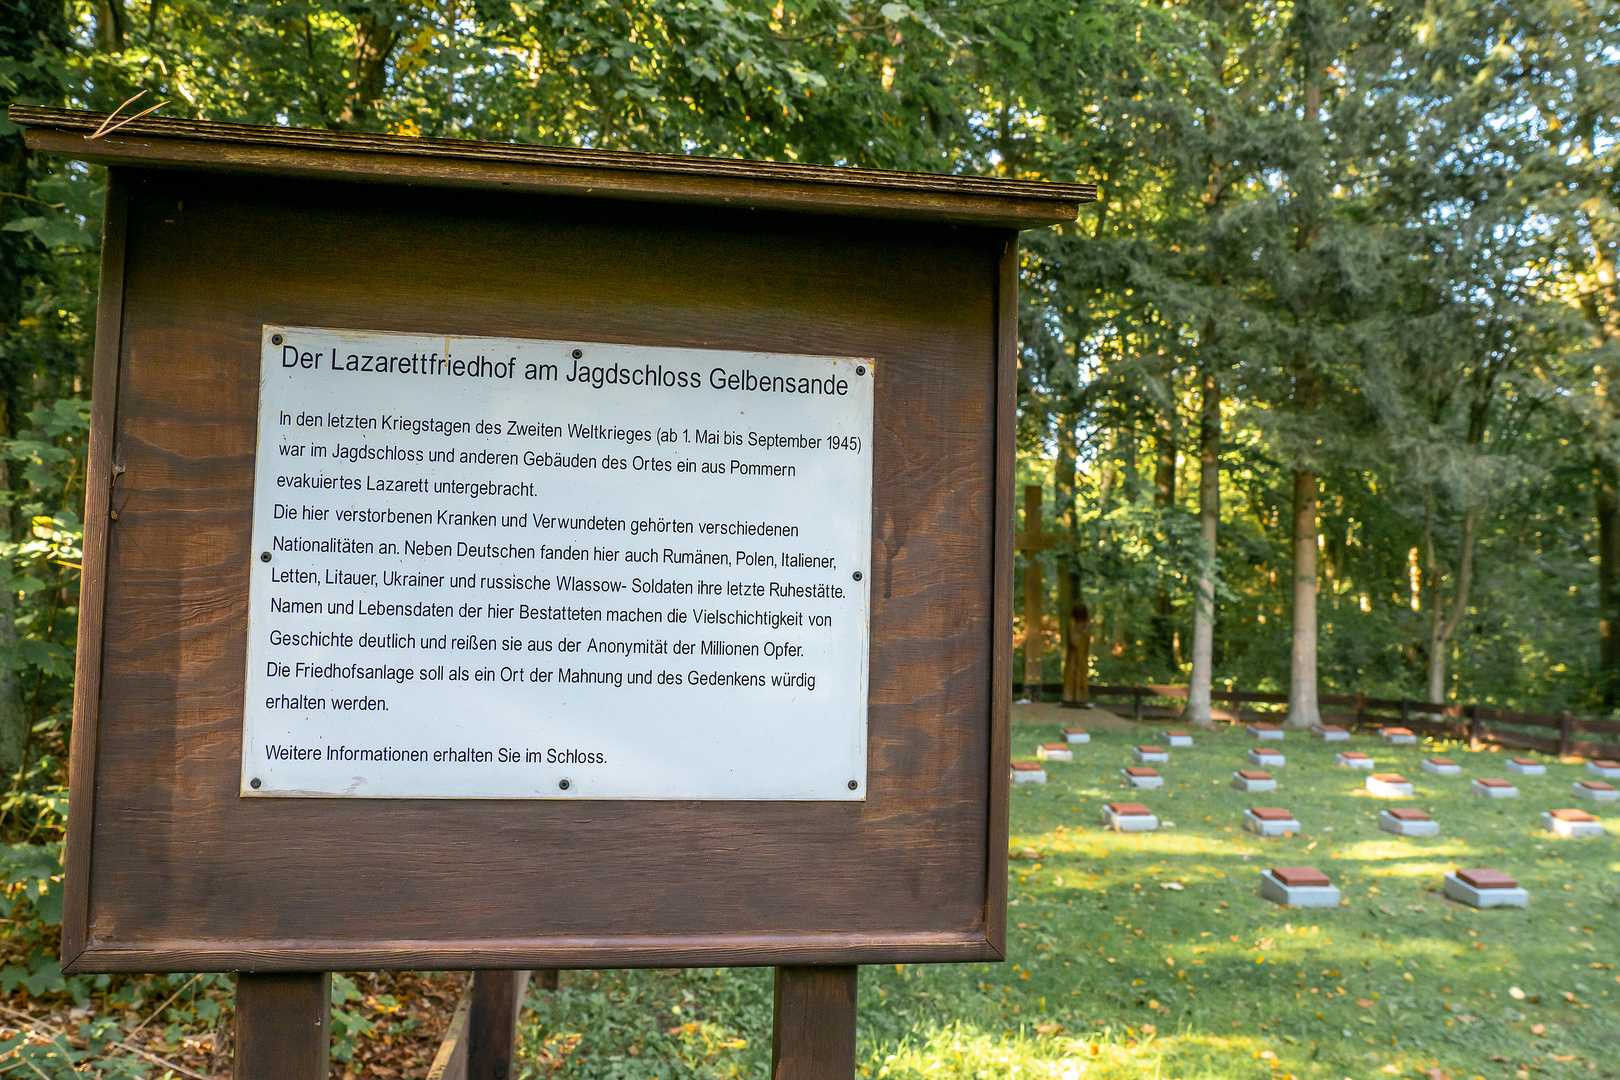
1437,1073
1048,1029
1538,1029
1176,885
1415,907
1497,1057
1364,1003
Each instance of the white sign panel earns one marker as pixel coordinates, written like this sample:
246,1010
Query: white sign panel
498,568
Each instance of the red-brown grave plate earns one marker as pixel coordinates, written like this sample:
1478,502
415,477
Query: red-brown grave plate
1486,879
1572,815
1129,809
1140,770
1296,876
1254,774
1389,778
1271,813
1407,814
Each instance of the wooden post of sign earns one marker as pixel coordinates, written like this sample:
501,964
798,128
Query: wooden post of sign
497,998
1032,541
283,1025
813,1024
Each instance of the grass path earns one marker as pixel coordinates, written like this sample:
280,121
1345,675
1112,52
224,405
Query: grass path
1152,955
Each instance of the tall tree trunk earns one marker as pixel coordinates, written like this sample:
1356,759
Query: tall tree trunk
1068,568
1209,518
374,40
111,25
1608,515
1441,624
1302,708
1167,439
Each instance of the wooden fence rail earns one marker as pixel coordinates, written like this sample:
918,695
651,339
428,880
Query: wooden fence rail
1480,724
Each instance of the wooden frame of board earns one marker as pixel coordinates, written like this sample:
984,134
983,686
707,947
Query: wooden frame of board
213,231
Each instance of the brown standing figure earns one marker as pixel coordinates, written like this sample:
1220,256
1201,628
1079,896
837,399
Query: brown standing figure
1077,660
1032,541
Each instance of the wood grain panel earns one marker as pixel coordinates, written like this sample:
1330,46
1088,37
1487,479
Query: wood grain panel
813,1023
185,875
93,580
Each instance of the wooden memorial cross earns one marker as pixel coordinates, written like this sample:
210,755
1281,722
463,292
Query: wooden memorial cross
1032,541
384,428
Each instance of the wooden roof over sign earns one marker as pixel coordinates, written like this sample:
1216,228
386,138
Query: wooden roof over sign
154,142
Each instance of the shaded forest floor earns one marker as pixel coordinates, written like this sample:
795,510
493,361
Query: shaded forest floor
1153,955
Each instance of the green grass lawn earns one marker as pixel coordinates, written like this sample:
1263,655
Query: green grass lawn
1153,955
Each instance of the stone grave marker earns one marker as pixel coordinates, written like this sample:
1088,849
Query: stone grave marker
1054,751
1596,790
1076,735
1330,733
1604,767
1353,759
1492,788
1298,886
1129,817
1149,753
1482,888
1263,730
1389,785
1398,736
1571,823
1403,821
1140,776
1270,821
1526,766
1028,772
1265,755
1253,780
1178,738
1440,766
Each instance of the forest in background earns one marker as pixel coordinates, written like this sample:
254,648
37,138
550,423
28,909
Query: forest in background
1319,392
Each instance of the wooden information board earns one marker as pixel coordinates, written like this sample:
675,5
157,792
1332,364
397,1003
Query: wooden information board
863,821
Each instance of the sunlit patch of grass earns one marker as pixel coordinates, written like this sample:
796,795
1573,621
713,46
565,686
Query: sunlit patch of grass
1109,974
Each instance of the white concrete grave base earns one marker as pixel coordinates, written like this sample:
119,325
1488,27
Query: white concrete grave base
1451,769
1534,769
1401,739
1487,791
1243,783
1271,827
1143,781
1389,789
1581,791
1297,895
1355,762
1147,757
1029,776
1464,893
1572,829
1602,771
1391,824
1055,753
1263,758
1129,822
1266,732
1077,736
1331,734
1179,740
